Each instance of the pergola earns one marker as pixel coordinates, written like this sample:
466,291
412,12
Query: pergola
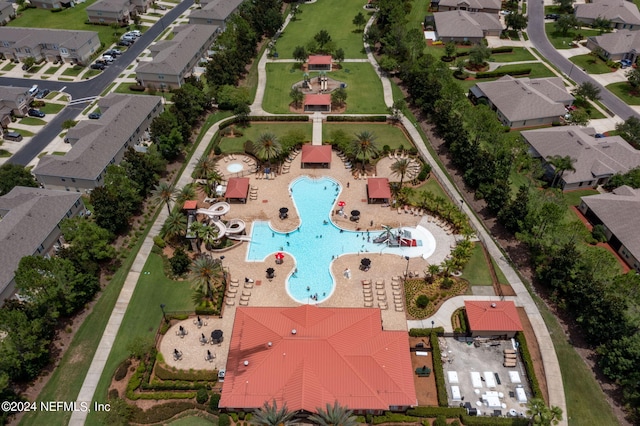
316,156
317,102
319,63
237,189
378,190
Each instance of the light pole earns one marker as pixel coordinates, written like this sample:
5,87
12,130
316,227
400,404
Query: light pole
164,315
432,324
406,271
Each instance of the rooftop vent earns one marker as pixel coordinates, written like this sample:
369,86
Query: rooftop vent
294,331
493,305
246,363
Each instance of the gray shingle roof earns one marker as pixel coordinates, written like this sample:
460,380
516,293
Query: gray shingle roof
620,11
622,41
10,93
30,37
28,216
217,9
593,157
526,99
175,55
619,212
460,23
102,139
109,6
472,4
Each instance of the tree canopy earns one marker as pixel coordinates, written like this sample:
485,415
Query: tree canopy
12,175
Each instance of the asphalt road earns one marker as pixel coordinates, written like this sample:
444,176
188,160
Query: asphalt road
86,88
538,37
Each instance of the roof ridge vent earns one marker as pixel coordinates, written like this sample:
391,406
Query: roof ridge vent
493,305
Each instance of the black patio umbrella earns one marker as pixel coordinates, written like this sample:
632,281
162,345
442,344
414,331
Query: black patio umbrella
216,336
355,212
284,210
270,272
365,261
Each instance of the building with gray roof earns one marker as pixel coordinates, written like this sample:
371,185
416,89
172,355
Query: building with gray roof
7,12
616,46
69,46
618,213
96,144
622,14
29,225
463,26
484,6
215,12
524,102
173,60
595,159
14,101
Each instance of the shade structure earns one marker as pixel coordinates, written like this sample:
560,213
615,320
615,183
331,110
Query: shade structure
341,203
237,189
279,257
319,102
216,336
366,261
315,156
378,190
355,212
270,272
284,210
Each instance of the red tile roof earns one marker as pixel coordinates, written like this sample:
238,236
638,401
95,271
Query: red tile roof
312,99
334,354
190,205
378,188
492,316
237,188
319,60
316,153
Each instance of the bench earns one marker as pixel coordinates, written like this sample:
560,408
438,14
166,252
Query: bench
423,371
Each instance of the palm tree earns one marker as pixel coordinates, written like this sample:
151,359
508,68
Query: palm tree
186,193
198,230
206,274
204,166
542,415
433,270
270,415
561,165
400,168
210,235
364,145
175,225
267,147
334,416
163,193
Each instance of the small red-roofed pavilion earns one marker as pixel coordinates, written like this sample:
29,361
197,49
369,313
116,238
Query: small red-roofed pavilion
317,102
190,205
315,156
319,63
378,190
488,318
237,189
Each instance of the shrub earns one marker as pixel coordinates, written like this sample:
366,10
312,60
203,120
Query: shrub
372,118
202,396
440,421
422,301
179,262
217,150
114,394
163,373
448,412
234,417
503,49
136,88
223,420
493,421
424,332
161,413
438,372
456,422
390,417
528,365
159,241
599,234
446,283
425,171
496,74
121,372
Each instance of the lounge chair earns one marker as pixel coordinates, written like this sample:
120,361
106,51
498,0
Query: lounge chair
248,285
246,293
244,298
368,298
399,308
244,303
399,210
368,304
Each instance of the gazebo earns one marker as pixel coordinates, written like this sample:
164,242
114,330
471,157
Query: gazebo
316,156
378,190
314,103
492,318
319,63
237,189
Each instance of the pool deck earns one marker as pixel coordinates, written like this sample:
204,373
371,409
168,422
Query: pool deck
272,195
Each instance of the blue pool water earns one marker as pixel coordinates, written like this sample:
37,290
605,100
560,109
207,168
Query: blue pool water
315,243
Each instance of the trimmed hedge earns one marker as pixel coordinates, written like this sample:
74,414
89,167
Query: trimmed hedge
424,332
390,417
160,413
164,373
503,49
438,371
229,121
431,412
528,365
374,118
496,74
493,421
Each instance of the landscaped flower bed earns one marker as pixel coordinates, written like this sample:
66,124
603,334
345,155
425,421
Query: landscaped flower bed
434,291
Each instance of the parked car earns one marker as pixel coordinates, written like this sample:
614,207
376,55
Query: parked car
98,66
108,58
135,33
124,43
41,94
553,16
33,90
35,113
128,37
161,6
625,63
599,136
94,115
12,136
113,52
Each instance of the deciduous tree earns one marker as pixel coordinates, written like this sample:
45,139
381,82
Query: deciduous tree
12,175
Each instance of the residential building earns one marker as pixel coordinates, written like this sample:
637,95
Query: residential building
307,357
616,46
111,11
69,46
96,144
173,60
49,4
30,225
462,26
622,14
524,102
595,159
215,12
485,6
489,318
7,12
14,101
618,213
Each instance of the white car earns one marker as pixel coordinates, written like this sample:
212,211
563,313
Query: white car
135,33
108,58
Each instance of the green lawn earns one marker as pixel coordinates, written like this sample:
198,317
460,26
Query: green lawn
573,197
385,134
73,71
418,11
142,318
50,108
477,271
250,81
335,17
194,420
124,88
364,89
591,64
538,70
564,42
518,54
9,66
24,133
32,121
624,91
501,278
52,69
430,185
252,133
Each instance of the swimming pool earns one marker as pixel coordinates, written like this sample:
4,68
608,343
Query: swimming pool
235,167
317,242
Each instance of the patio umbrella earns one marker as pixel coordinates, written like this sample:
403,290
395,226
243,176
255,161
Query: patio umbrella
284,210
365,262
270,272
355,212
216,336
341,203
279,257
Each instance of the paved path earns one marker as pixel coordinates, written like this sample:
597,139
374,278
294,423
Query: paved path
386,84
316,139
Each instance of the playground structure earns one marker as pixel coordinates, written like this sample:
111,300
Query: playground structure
234,227
319,84
401,238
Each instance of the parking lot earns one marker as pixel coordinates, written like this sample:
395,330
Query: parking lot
476,377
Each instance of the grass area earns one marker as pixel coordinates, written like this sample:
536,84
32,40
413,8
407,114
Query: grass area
573,197
591,64
385,134
24,133
517,180
90,73
252,133
251,79
416,17
518,54
32,121
124,88
142,318
50,108
430,185
560,41
9,66
73,71
4,153
52,69
72,18
586,403
623,90
65,79
192,421
364,89
108,89
477,271
501,278
334,16
58,153
438,51
538,70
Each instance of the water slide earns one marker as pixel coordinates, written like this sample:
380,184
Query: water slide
235,226
218,209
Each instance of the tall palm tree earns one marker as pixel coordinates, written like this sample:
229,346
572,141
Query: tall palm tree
204,166
364,145
433,270
175,225
334,416
267,147
270,415
400,168
206,275
186,193
210,235
561,165
164,193
542,415
197,230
